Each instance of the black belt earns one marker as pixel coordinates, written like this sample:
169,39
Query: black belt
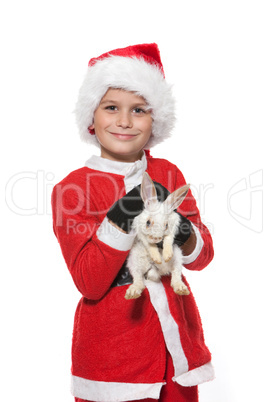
123,277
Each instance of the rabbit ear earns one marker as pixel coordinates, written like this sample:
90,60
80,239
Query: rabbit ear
175,199
148,191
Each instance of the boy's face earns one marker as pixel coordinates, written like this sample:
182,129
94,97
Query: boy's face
123,125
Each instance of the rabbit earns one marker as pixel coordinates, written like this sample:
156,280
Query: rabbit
156,223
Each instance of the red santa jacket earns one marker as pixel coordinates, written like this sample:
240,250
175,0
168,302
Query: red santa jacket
119,346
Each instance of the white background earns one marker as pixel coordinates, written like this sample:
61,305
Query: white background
215,54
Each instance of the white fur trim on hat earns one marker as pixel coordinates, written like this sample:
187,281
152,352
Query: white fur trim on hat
131,74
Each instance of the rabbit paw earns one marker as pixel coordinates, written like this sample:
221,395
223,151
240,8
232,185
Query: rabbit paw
167,253
155,255
180,289
133,292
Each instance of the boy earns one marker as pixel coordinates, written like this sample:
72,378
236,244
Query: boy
150,348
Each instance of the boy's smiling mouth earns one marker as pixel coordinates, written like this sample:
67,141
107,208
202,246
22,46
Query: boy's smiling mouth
123,136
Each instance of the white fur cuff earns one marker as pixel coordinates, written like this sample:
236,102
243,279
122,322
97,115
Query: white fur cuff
113,237
187,259
197,376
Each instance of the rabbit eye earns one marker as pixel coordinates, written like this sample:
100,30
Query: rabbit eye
148,223
166,227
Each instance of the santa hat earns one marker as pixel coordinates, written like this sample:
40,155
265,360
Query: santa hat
134,68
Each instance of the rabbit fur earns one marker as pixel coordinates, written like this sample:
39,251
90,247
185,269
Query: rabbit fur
157,222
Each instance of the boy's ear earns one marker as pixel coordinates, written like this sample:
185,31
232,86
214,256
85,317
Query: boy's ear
91,129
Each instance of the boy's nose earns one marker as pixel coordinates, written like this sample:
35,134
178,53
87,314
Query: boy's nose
124,120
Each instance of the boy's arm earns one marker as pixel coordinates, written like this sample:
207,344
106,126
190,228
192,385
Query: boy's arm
94,252
198,250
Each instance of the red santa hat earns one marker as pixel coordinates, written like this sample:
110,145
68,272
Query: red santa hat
135,68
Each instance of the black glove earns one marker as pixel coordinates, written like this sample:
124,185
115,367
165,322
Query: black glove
184,232
123,212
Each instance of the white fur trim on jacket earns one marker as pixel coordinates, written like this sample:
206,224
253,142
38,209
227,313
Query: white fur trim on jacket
131,171
171,334
131,74
113,391
169,326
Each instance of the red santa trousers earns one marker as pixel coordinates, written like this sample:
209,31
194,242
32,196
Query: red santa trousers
171,391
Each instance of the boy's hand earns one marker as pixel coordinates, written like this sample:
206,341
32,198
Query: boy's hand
184,232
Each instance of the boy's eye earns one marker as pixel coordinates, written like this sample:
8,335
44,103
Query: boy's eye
111,107
138,110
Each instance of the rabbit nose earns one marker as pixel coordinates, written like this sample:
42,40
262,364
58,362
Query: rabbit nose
155,239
